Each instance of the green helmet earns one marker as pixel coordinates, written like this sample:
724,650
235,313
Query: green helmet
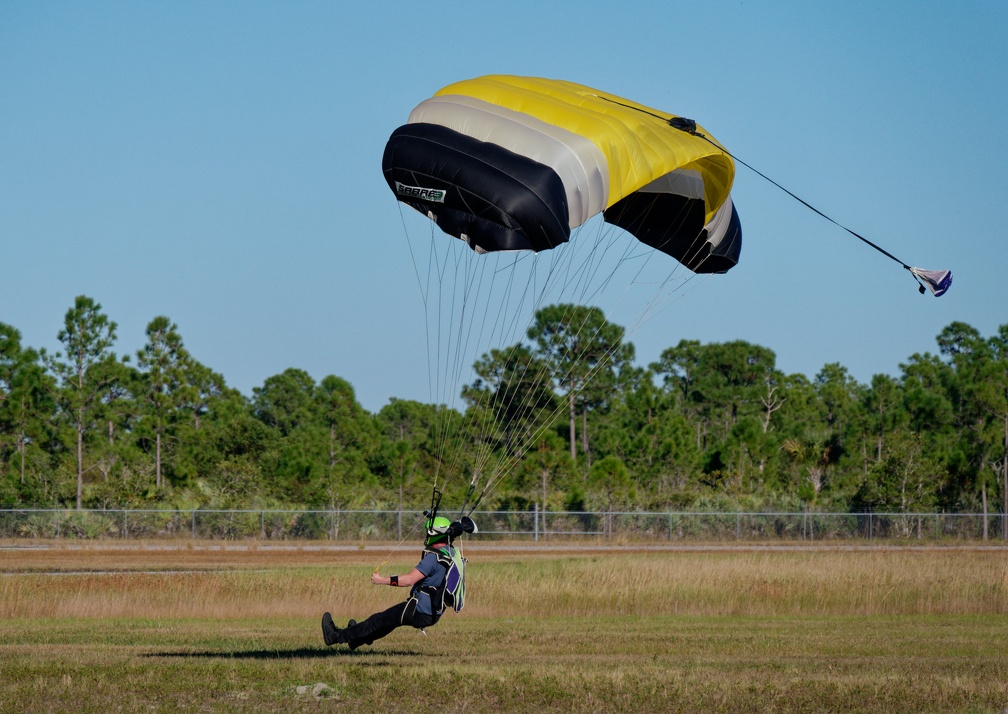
437,529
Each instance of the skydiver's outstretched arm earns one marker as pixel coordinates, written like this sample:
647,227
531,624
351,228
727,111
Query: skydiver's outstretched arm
409,580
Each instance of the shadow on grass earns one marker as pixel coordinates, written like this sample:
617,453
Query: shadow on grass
300,653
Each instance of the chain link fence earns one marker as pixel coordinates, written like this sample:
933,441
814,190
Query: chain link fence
364,525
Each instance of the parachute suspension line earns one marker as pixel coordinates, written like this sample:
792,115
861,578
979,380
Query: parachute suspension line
424,286
409,245
472,312
576,276
689,126
509,464
448,360
534,295
469,422
503,400
508,323
473,294
439,268
662,294
462,347
589,271
436,271
559,269
453,361
655,305
408,536
453,330
465,501
496,324
576,271
424,293
582,279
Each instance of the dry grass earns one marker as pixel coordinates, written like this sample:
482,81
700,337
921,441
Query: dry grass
100,628
506,582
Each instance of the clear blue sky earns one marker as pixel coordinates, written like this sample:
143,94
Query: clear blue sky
220,163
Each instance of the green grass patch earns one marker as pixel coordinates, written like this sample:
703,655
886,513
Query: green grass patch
601,663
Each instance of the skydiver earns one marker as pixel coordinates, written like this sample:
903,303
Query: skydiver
420,610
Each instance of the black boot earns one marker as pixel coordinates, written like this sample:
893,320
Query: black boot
330,633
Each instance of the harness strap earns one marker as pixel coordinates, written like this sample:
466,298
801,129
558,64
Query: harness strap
436,593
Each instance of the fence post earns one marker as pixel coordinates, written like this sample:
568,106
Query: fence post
194,524
535,528
125,524
262,525
738,526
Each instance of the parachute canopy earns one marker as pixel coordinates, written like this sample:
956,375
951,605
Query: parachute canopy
515,163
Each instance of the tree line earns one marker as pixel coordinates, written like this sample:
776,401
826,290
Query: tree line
564,418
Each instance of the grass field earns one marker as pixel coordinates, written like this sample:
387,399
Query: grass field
158,628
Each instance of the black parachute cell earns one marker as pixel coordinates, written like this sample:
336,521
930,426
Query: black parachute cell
674,225
497,199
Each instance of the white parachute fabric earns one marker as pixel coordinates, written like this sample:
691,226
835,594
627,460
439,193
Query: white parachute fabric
575,159
937,281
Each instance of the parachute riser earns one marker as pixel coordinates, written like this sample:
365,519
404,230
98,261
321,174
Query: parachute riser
469,493
431,513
